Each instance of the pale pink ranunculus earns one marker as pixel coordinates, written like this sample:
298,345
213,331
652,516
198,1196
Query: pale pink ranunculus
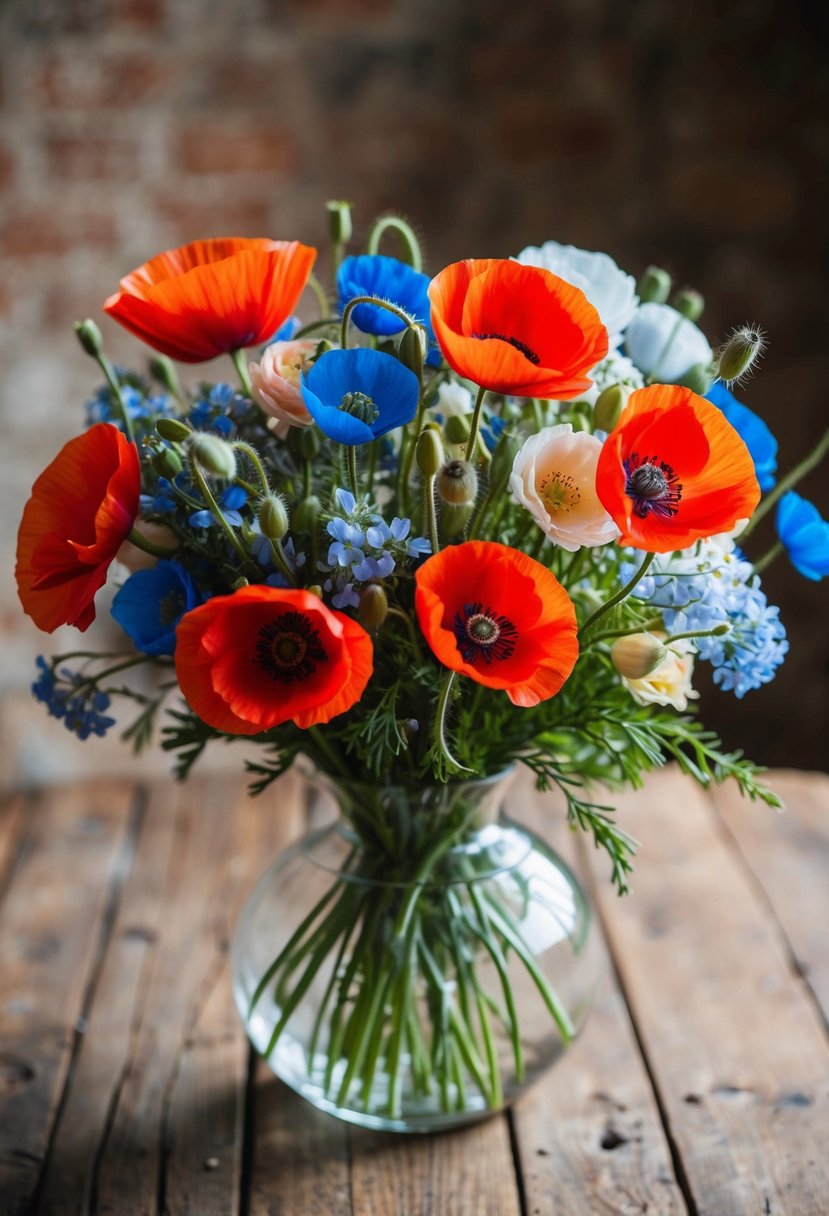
275,383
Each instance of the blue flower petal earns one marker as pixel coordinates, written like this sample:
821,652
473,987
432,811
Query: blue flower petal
391,386
753,431
152,602
805,534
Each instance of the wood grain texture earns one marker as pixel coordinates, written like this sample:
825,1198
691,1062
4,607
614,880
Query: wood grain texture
789,856
52,919
734,1043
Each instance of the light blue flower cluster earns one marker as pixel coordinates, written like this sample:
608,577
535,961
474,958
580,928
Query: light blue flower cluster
142,406
68,697
708,585
364,547
218,408
262,551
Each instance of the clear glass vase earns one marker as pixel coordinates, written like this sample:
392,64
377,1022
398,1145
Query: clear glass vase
418,963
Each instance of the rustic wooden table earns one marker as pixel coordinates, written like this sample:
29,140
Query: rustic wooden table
700,1085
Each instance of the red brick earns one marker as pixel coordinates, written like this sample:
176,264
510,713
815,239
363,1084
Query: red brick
38,231
92,158
196,218
240,147
145,15
6,167
84,81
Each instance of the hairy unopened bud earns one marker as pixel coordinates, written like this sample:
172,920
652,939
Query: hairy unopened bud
457,483
339,220
637,655
690,303
173,429
412,349
609,405
373,608
429,452
89,337
166,462
697,378
654,286
273,517
739,354
212,455
307,513
456,428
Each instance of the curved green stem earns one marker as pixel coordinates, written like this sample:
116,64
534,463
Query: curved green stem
619,596
389,307
281,561
238,357
321,298
241,445
148,546
351,457
474,424
769,556
216,512
786,483
439,740
112,380
405,234
430,512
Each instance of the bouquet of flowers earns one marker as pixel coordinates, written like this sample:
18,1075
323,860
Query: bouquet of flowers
446,526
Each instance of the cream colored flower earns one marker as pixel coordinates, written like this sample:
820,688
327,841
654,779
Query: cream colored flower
275,383
554,477
670,682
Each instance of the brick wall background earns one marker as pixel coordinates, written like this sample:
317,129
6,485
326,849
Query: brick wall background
695,136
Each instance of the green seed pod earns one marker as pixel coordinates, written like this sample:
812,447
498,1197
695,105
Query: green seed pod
307,513
167,463
740,353
690,303
457,483
173,429
374,607
609,405
412,348
637,655
212,455
429,452
453,520
273,517
89,337
304,441
456,428
339,220
654,286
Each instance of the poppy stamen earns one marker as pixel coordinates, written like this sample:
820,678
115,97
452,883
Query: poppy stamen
525,350
653,485
289,648
171,607
559,492
483,633
360,406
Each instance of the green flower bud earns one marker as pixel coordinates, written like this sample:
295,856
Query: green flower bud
304,441
429,452
212,455
307,513
690,303
637,655
162,370
315,589
453,520
166,462
457,483
740,353
654,286
339,221
173,429
697,378
412,349
502,460
273,517
456,428
89,337
239,583
373,608
609,405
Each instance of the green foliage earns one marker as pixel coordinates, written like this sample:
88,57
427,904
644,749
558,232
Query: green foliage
279,761
188,736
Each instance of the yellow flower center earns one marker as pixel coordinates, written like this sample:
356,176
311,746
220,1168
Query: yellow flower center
559,492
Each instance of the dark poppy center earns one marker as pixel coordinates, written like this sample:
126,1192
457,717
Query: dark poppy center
525,350
171,607
483,633
653,485
360,406
289,648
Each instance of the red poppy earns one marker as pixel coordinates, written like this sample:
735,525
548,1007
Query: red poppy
516,329
81,509
247,662
499,617
211,297
673,470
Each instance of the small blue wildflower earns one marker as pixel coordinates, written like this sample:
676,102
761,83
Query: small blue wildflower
82,712
753,431
201,519
143,408
346,597
805,535
287,330
152,602
346,548
357,395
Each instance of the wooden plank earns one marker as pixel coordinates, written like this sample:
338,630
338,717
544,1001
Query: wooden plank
789,855
174,1136
53,922
589,1135
12,835
734,1043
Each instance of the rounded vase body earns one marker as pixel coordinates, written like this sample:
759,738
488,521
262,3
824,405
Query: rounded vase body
417,963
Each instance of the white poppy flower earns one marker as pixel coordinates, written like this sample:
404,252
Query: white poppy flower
453,399
665,345
554,477
670,682
611,291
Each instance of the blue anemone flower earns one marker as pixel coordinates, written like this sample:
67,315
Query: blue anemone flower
805,534
751,428
355,396
152,602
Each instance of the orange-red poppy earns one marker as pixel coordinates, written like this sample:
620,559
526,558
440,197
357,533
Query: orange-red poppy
673,470
499,617
81,509
516,329
247,662
211,297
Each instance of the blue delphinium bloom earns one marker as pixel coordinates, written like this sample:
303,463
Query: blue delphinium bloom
67,696
355,396
805,534
142,406
753,431
152,602
218,408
